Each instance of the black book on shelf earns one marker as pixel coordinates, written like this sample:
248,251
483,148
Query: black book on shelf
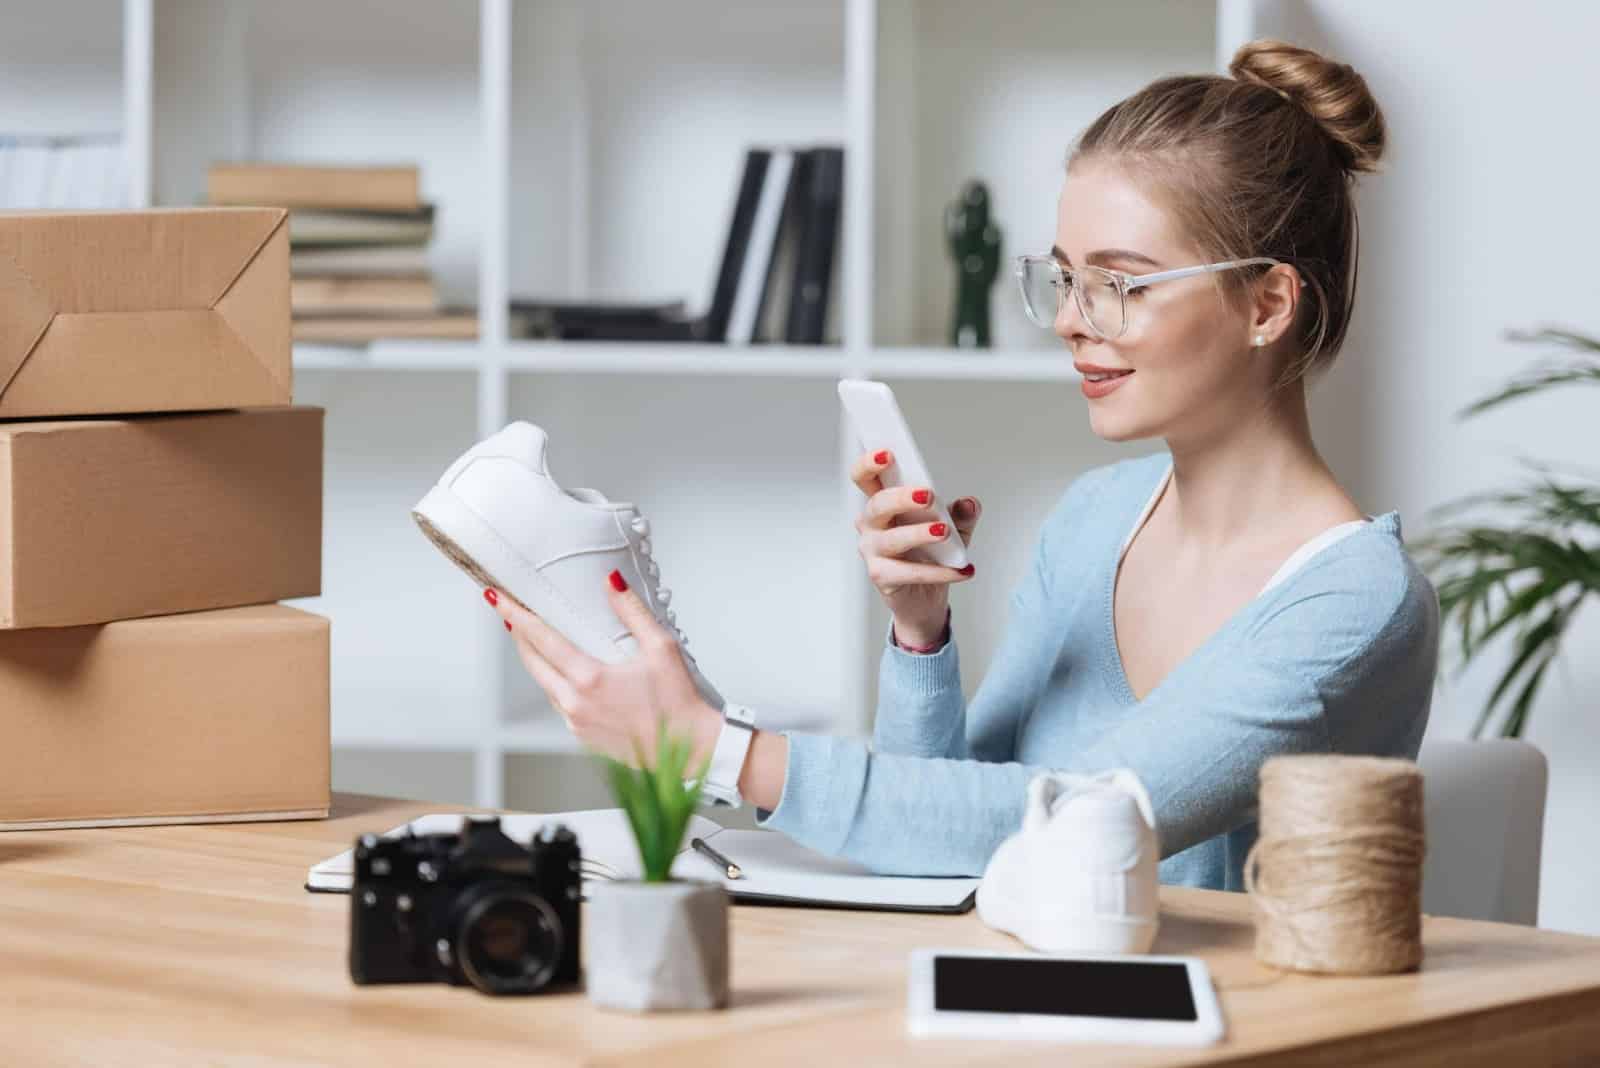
666,322
715,325
779,277
808,304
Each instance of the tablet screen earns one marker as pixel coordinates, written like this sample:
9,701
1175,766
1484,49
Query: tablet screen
1128,990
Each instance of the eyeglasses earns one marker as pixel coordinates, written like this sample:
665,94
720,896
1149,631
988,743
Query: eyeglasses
1101,294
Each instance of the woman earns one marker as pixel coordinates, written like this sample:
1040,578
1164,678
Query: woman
1187,614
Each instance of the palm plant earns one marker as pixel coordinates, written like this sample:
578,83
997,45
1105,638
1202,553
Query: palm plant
1529,576
659,798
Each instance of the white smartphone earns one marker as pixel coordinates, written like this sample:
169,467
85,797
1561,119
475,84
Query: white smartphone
970,993
878,424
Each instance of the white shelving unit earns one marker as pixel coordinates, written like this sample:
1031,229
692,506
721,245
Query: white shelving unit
591,150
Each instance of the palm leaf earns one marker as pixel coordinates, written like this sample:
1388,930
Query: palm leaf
1585,368
1533,571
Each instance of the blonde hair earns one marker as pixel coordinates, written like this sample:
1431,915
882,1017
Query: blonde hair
1259,164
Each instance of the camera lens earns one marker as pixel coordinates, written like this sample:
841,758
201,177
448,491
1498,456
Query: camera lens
508,941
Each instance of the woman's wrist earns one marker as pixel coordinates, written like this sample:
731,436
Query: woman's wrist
766,767
922,648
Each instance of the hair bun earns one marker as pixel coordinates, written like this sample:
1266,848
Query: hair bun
1335,95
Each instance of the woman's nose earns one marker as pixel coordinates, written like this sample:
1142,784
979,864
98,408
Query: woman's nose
1070,325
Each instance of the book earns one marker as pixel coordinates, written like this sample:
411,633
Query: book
308,227
294,186
334,261
808,305
777,870
360,329
758,259
725,291
772,314
362,296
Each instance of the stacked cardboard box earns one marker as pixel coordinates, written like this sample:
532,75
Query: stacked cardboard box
158,493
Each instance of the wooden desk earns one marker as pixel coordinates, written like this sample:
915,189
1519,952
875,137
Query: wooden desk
166,945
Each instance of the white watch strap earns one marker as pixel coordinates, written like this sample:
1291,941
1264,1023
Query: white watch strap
721,781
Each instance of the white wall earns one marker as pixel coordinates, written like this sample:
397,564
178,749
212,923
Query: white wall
1485,220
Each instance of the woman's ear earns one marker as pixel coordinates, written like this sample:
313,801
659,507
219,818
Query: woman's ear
1277,297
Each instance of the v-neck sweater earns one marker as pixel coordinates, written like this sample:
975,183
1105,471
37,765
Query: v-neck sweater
1336,655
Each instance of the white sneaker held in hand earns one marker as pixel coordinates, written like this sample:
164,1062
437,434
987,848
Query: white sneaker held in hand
1080,876
501,517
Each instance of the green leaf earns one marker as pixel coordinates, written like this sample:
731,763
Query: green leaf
1512,728
1546,633
658,801
1584,369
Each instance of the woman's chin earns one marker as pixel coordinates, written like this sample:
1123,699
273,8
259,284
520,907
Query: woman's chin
1116,426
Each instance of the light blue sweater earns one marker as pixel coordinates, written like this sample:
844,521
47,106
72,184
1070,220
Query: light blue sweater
1338,657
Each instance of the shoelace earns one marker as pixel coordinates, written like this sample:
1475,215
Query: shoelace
641,527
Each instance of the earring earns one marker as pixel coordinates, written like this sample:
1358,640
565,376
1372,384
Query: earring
1260,340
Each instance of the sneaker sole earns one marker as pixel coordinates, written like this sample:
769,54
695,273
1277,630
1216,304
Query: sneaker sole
479,550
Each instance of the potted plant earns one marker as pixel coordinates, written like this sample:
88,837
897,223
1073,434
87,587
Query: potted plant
1529,573
657,942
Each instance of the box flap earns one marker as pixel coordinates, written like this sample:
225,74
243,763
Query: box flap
131,267
27,316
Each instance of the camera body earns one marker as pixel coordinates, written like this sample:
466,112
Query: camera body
472,908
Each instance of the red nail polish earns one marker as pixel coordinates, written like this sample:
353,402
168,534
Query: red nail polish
920,496
508,624
618,583
881,457
491,597
937,529
969,569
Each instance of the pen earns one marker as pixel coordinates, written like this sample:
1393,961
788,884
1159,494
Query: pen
699,846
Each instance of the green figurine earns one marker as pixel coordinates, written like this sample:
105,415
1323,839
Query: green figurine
975,245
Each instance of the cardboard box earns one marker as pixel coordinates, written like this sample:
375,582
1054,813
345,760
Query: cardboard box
209,716
104,519
143,311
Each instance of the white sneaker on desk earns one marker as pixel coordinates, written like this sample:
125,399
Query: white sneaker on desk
1081,874
500,516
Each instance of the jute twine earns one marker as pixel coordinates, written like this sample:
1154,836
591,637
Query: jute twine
1336,873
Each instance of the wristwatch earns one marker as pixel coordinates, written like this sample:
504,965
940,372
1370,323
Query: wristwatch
721,782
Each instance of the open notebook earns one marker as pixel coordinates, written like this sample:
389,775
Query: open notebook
777,870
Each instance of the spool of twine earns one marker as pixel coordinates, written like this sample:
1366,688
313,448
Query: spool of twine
1336,873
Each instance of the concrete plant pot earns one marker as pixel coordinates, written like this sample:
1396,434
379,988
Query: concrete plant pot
653,947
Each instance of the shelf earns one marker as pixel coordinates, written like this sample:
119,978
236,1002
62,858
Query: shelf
979,364
645,358
538,736
390,356
601,357
456,739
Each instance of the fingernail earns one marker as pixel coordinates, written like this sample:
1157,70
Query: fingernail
881,457
508,624
969,569
491,597
920,496
938,530
618,583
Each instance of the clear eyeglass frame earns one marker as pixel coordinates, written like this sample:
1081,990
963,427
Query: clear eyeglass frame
1101,294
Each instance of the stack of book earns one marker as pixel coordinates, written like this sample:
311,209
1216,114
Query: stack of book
359,239
162,493
776,279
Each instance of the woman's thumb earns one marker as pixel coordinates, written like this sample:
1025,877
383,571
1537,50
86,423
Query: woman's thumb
965,512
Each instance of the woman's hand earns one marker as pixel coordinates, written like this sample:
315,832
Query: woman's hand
616,709
893,523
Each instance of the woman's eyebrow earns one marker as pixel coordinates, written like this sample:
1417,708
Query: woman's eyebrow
1104,254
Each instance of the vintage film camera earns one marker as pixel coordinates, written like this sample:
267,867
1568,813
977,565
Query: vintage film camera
474,907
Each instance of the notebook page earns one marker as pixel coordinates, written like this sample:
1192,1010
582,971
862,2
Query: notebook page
774,865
